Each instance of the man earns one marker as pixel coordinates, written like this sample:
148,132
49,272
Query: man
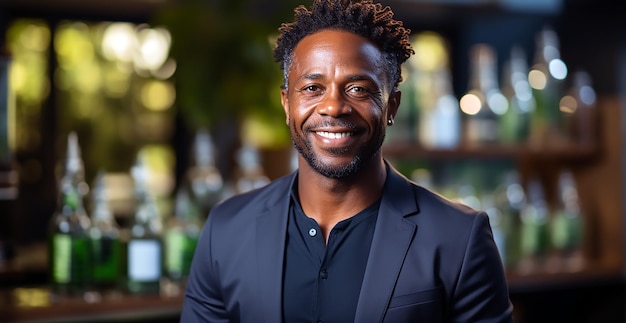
345,238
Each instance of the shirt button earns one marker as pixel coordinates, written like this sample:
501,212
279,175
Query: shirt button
312,232
324,274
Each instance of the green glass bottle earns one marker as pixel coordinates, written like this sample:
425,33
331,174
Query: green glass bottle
566,225
510,200
515,124
181,237
105,242
143,252
534,238
546,77
68,244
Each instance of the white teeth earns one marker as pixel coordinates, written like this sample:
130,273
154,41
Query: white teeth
334,135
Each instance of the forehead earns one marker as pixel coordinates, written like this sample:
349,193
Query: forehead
328,48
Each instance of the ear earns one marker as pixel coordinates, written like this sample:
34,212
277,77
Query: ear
393,103
284,100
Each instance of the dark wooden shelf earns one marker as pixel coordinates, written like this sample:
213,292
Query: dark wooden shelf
41,307
569,152
541,281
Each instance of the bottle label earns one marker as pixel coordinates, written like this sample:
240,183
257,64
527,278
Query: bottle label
144,260
175,244
61,258
180,248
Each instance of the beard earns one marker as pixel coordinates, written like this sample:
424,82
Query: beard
363,156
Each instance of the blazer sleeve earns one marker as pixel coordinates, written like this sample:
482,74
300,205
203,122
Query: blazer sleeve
482,293
203,301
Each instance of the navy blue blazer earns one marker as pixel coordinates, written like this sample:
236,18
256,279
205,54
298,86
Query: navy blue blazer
431,260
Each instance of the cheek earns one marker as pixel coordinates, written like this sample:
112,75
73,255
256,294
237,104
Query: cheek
299,110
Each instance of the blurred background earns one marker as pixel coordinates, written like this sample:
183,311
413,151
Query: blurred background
123,122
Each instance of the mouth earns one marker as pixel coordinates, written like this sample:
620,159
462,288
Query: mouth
334,135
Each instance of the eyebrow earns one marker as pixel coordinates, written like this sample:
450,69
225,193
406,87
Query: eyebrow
359,78
315,76
312,76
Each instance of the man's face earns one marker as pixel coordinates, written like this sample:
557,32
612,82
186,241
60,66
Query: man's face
337,103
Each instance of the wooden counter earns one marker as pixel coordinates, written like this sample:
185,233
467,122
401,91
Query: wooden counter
36,305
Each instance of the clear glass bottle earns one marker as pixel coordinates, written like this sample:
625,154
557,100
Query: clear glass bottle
143,258
484,103
442,126
205,181
579,110
68,244
252,174
546,77
181,237
515,123
105,241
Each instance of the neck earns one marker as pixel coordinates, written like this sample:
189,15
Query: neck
331,200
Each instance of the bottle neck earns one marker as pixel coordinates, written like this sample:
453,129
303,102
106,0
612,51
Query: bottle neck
71,195
483,66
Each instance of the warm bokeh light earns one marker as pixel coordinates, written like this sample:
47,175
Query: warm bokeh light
158,95
159,159
29,43
153,49
568,104
119,41
470,104
430,52
537,79
72,45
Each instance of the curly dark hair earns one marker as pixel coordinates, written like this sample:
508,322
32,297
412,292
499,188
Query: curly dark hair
362,17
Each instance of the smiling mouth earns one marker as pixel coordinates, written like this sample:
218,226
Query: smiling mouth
334,135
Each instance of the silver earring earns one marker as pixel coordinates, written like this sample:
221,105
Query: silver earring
390,122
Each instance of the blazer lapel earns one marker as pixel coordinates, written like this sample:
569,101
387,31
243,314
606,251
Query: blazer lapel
391,241
271,229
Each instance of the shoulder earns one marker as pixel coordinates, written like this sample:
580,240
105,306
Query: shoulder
253,202
424,204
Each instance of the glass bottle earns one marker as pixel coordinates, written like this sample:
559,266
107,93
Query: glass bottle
252,173
144,249
497,222
546,78
68,245
483,104
105,241
205,181
534,239
566,225
442,125
181,237
510,200
515,123
579,110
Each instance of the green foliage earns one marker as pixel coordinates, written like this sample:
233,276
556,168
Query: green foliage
223,51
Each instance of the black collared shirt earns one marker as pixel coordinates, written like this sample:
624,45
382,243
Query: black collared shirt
321,283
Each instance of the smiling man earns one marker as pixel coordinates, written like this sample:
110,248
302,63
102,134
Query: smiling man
345,238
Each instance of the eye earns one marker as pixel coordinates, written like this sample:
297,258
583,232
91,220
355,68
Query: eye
358,91
311,88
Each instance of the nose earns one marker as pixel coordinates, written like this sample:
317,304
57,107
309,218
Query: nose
334,104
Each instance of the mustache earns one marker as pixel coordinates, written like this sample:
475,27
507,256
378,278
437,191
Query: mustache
342,123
